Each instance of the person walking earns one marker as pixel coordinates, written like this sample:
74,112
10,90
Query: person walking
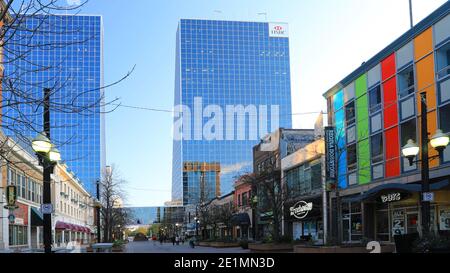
177,240
161,239
173,240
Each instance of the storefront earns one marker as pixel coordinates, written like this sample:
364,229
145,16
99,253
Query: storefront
394,209
304,219
241,222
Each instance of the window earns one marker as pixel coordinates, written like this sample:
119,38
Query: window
351,157
316,177
408,131
239,200
375,99
406,82
351,134
244,199
444,91
444,114
18,235
443,61
376,123
376,147
407,108
350,113
378,171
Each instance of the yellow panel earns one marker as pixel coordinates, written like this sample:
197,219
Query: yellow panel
423,44
425,72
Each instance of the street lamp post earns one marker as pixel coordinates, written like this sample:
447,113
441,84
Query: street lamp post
439,141
197,221
254,224
48,157
97,207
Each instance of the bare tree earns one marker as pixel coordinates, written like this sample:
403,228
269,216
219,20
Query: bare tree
112,198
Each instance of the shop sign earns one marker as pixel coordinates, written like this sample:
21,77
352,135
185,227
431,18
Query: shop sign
392,197
301,209
444,218
330,153
398,222
278,30
19,221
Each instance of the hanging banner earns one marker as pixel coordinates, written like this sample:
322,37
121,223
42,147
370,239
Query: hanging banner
330,154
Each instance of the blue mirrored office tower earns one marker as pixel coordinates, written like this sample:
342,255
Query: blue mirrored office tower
65,55
222,66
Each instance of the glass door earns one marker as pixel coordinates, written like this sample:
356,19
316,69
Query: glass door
346,229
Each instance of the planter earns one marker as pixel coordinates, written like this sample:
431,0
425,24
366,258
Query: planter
272,247
224,244
204,243
339,249
117,249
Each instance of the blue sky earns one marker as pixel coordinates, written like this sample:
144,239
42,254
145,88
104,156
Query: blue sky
328,40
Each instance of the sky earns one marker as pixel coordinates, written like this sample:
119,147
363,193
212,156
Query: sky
329,39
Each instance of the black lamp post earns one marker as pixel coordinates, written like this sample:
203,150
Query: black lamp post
197,222
97,207
48,157
438,141
254,224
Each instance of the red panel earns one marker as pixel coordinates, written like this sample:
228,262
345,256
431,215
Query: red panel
392,152
390,103
388,67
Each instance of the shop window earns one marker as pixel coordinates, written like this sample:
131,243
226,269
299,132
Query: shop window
408,131
244,199
375,99
351,134
443,61
444,91
407,108
406,82
382,225
350,113
351,157
376,147
376,123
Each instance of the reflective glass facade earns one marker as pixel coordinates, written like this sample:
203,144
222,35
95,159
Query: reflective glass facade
71,54
227,63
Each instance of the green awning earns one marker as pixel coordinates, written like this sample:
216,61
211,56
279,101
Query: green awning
37,219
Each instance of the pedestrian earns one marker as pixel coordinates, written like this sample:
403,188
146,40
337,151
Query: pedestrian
173,240
182,240
161,238
177,240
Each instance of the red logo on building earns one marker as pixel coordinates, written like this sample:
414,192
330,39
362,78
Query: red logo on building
278,28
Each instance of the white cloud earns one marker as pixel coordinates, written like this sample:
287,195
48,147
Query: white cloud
235,167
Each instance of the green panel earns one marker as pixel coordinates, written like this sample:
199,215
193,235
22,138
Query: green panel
362,117
364,173
361,85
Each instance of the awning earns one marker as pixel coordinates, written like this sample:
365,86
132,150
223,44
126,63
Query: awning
240,219
62,225
37,219
407,188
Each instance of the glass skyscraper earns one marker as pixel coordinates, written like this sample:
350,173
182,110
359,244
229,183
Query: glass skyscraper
65,55
232,87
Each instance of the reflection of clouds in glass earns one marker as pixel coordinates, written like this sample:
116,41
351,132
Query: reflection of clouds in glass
234,167
73,2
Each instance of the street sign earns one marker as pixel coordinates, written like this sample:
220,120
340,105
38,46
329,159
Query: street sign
428,196
11,218
47,208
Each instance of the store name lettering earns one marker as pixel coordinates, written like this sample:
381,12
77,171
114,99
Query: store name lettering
391,197
301,209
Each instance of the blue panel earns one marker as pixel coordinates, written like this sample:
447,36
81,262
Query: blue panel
338,100
341,151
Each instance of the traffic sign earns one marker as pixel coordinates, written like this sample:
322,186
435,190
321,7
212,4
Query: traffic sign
47,208
428,196
11,218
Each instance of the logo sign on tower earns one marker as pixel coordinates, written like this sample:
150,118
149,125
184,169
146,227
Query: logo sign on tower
278,30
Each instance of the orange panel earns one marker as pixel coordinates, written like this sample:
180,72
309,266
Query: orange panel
425,72
423,44
431,99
